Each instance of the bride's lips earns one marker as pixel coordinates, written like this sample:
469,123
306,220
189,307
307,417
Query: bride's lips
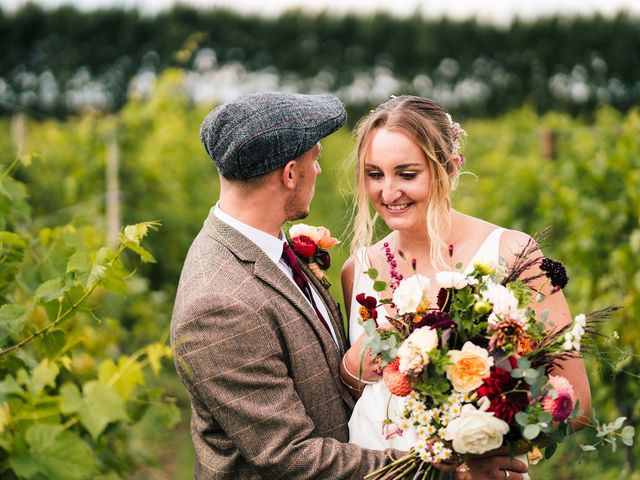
397,207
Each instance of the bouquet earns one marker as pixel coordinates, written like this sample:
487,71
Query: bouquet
475,369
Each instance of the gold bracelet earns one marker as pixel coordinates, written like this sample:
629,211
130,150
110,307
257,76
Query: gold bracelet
357,379
350,387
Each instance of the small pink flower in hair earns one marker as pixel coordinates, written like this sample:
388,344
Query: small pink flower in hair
458,160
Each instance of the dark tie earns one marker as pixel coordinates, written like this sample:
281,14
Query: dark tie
301,280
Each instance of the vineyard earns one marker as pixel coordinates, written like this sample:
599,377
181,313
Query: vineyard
98,211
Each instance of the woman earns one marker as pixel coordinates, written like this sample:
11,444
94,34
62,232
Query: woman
408,162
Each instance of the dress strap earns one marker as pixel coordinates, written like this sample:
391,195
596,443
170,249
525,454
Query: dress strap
489,250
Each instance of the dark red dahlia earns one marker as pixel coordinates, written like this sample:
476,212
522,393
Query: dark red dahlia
436,320
504,406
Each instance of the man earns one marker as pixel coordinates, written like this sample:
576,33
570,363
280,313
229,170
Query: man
257,338
261,365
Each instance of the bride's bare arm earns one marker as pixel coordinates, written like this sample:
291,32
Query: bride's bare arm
354,372
572,369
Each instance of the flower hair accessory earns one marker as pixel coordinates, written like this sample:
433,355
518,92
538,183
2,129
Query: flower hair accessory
310,243
457,134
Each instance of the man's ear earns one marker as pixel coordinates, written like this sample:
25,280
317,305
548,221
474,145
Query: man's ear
290,174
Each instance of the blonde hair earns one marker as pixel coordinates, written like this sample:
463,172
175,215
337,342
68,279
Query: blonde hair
430,127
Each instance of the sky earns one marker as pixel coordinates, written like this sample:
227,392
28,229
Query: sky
492,11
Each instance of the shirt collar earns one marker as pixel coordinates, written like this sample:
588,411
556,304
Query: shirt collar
270,245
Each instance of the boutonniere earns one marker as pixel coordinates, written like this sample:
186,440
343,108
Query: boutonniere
310,243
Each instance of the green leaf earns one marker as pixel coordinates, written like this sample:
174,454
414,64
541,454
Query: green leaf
51,343
53,289
518,373
70,399
155,353
124,377
459,265
531,431
43,375
545,417
101,405
143,253
12,320
522,419
79,262
550,450
58,454
373,273
618,422
379,286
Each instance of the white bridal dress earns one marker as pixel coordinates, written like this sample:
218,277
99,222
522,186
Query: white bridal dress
376,402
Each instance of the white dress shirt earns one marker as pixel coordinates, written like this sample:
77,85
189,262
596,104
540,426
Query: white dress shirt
272,247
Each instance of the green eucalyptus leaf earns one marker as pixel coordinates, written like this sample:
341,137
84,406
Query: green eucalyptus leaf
372,273
618,422
379,286
522,419
531,431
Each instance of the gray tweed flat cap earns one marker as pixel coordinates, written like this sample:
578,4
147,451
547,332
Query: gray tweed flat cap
258,133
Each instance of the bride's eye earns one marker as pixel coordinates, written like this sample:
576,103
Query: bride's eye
375,174
408,175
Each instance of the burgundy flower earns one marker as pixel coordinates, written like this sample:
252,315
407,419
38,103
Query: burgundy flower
369,305
555,271
435,319
304,246
504,406
323,258
444,299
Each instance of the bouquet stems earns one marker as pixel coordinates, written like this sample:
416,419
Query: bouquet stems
409,467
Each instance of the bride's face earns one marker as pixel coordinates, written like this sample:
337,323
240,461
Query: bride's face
397,180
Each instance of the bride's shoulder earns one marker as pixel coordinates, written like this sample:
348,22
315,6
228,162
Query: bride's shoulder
513,242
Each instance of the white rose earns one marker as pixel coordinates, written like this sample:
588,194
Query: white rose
451,280
503,300
301,229
476,430
410,292
414,351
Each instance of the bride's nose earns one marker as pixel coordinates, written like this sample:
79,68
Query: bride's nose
390,192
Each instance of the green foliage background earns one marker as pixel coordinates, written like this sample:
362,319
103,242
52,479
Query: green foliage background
589,195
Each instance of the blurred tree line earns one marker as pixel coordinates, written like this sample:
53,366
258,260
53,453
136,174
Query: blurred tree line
58,61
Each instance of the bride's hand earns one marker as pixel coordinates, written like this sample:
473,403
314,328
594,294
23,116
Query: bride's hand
362,367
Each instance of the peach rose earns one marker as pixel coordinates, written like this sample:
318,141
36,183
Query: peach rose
320,235
469,367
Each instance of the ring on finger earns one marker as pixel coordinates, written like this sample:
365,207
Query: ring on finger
507,474
464,468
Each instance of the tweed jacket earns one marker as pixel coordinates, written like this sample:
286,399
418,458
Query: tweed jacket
260,368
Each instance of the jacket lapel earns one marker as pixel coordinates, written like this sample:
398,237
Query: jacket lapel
247,251
333,309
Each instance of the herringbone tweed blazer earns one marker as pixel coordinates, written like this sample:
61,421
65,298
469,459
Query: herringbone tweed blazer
260,368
